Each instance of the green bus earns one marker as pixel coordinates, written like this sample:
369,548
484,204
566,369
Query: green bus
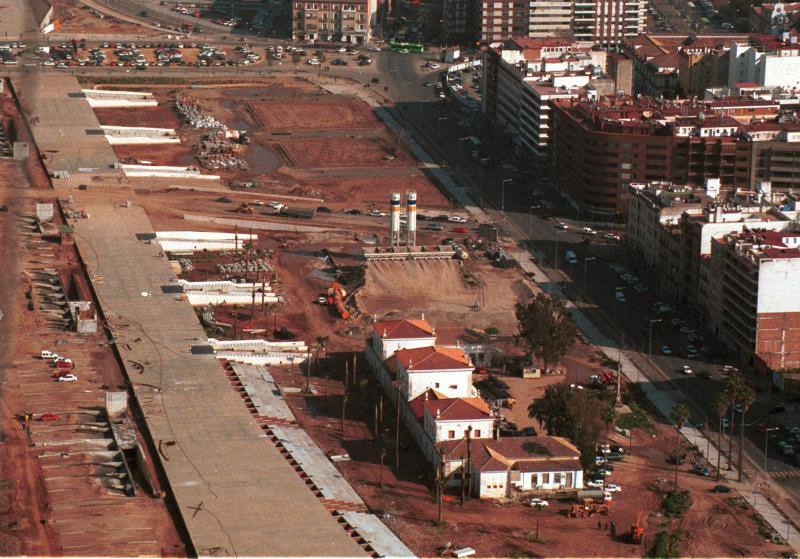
397,46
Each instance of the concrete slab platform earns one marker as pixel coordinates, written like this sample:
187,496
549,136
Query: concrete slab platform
236,493
377,534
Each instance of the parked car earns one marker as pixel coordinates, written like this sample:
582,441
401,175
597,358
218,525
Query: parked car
613,488
456,219
666,350
434,227
594,483
699,469
48,355
462,230
721,489
69,377
537,502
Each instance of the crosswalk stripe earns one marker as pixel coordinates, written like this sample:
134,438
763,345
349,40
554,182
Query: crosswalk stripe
785,473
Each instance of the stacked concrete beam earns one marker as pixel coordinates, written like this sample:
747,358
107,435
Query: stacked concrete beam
133,135
103,98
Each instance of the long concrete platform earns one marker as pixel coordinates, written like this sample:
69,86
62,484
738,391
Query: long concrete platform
64,127
236,493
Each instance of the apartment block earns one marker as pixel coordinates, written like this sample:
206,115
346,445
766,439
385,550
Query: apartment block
608,22
338,21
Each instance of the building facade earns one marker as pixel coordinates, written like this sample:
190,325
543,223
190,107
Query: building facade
348,21
608,22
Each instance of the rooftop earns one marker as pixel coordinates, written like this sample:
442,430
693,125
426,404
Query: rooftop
404,329
433,358
538,453
456,409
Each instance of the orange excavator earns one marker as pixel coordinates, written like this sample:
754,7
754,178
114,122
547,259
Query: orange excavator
336,295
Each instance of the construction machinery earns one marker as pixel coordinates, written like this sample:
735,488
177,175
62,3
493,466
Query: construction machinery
336,295
587,508
637,531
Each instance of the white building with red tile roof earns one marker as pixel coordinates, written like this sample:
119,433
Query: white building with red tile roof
446,370
388,336
446,419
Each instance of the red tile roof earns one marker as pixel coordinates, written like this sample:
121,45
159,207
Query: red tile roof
403,329
455,409
433,358
417,404
530,454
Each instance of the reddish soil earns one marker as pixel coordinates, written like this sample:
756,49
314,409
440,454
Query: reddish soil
344,152
328,112
162,116
374,192
171,154
77,18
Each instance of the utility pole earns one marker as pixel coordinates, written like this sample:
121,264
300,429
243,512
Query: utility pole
440,486
397,432
619,371
344,412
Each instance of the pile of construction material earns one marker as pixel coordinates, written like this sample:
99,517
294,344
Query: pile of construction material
260,352
186,265
193,241
244,266
204,293
217,152
194,114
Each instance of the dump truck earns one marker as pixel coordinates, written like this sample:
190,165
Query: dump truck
336,295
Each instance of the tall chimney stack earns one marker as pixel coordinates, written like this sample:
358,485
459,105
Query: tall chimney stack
394,220
411,219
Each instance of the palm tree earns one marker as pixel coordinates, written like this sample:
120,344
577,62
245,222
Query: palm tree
679,414
732,388
719,403
745,398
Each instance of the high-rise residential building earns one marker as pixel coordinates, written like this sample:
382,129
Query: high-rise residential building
608,22
600,22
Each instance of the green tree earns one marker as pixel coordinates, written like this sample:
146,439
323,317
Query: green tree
546,329
573,414
679,414
719,403
744,398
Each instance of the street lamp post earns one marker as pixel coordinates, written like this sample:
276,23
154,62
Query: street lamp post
503,195
585,272
441,118
766,440
650,337
460,158
530,221
556,255
617,289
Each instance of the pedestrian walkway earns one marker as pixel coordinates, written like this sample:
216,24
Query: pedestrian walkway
784,474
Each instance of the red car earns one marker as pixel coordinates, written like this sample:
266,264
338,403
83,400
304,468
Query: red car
460,230
49,417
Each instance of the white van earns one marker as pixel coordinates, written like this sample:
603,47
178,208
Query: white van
570,257
48,355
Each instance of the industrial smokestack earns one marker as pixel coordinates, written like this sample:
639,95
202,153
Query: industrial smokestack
394,220
411,219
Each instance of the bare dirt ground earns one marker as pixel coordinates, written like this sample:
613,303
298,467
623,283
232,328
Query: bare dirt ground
77,18
315,113
439,288
344,152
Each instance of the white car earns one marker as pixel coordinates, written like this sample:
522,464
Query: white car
537,502
69,377
620,296
374,49
595,483
341,49
456,219
433,65
687,370
48,355
313,61
588,231
613,488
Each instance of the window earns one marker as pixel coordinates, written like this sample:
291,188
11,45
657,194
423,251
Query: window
453,386
451,434
436,385
477,433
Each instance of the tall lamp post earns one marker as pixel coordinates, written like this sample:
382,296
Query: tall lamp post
503,195
460,143
650,335
585,272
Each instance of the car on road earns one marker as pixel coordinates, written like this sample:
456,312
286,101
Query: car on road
701,470
721,489
427,84
462,230
687,330
341,49
537,502
434,227
377,213
588,231
49,416
313,61
339,62
666,350
620,296
611,237
456,219
68,378
613,488
562,226
374,49
322,300
595,483
376,80
686,370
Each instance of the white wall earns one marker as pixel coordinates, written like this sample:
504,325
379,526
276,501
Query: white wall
440,429
453,384
779,71
388,347
492,485
779,285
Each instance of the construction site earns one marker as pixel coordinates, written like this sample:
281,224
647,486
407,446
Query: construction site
194,270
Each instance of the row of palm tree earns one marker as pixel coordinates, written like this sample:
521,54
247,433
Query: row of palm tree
736,396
